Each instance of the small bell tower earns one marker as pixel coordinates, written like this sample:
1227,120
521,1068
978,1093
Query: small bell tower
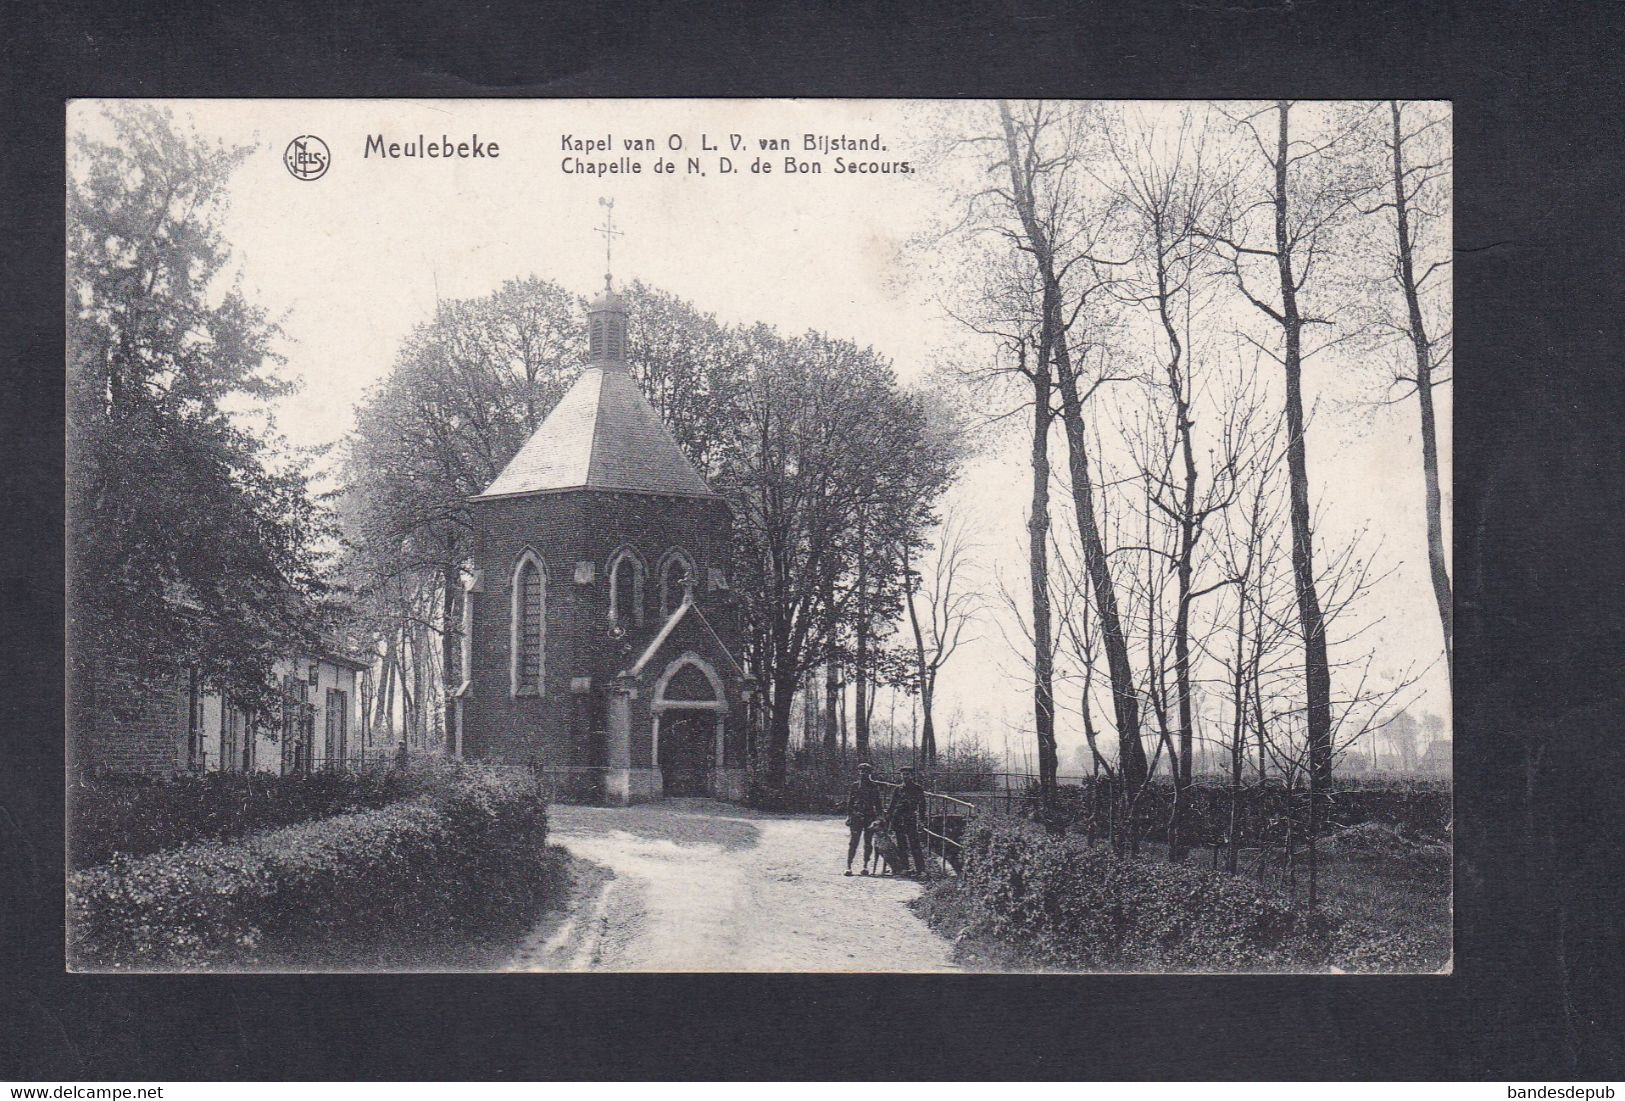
606,316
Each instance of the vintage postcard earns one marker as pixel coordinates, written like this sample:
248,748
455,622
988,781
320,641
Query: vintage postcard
759,535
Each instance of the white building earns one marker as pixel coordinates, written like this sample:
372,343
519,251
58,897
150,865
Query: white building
319,725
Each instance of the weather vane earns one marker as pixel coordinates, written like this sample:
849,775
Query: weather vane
610,233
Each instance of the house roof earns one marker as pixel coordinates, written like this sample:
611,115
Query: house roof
603,434
336,657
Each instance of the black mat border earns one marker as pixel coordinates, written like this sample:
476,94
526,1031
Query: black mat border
1538,503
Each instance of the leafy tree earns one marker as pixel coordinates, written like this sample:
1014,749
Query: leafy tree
192,536
823,440
467,389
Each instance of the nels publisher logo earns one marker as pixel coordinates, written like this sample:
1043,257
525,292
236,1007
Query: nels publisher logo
307,157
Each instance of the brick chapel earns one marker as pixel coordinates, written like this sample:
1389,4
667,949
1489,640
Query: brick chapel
599,633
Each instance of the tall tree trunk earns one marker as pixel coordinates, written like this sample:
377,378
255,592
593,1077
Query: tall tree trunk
419,689
925,680
368,699
832,705
1424,395
1238,732
1038,569
1183,431
1131,754
809,712
778,729
451,651
1311,621
387,689
1255,676
860,715
832,666
408,700
1125,701
840,709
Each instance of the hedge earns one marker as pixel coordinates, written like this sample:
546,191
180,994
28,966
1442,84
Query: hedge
368,888
1087,907
1419,809
134,816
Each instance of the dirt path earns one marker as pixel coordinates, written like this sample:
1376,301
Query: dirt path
693,885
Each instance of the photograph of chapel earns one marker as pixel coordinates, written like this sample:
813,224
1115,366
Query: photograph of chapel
599,633
493,600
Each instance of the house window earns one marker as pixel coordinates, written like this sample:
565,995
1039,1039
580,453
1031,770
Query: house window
529,626
337,727
673,568
626,588
307,737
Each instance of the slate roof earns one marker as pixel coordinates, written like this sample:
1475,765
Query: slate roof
603,434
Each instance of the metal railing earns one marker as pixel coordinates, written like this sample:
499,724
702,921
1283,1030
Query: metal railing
947,850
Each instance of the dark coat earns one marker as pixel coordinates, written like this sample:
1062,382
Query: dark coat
864,803
907,804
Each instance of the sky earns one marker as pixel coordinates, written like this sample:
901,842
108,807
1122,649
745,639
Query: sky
351,261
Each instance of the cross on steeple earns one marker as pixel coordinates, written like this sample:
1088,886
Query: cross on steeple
610,233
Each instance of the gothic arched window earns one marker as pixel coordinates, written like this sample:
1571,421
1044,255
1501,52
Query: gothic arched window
675,566
626,587
528,636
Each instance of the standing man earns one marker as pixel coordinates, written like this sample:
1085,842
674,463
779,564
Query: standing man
905,814
864,807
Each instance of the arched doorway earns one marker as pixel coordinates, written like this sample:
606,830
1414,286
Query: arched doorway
690,714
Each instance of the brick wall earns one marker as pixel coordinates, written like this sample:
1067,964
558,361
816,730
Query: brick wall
124,724
563,529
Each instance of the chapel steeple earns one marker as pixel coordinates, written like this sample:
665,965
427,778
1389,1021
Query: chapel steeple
606,329
606,316
603,434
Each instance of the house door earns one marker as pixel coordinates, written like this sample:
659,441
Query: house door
685,752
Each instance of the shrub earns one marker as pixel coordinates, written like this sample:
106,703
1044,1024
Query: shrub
466,858
817,780
134,816
1084,906
1416,808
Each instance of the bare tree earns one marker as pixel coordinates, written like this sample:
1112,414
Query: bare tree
1165,188
1004,305
1281,221
1415,192
1041,154
950,607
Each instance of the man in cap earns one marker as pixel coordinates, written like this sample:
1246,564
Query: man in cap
864,806
906,812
